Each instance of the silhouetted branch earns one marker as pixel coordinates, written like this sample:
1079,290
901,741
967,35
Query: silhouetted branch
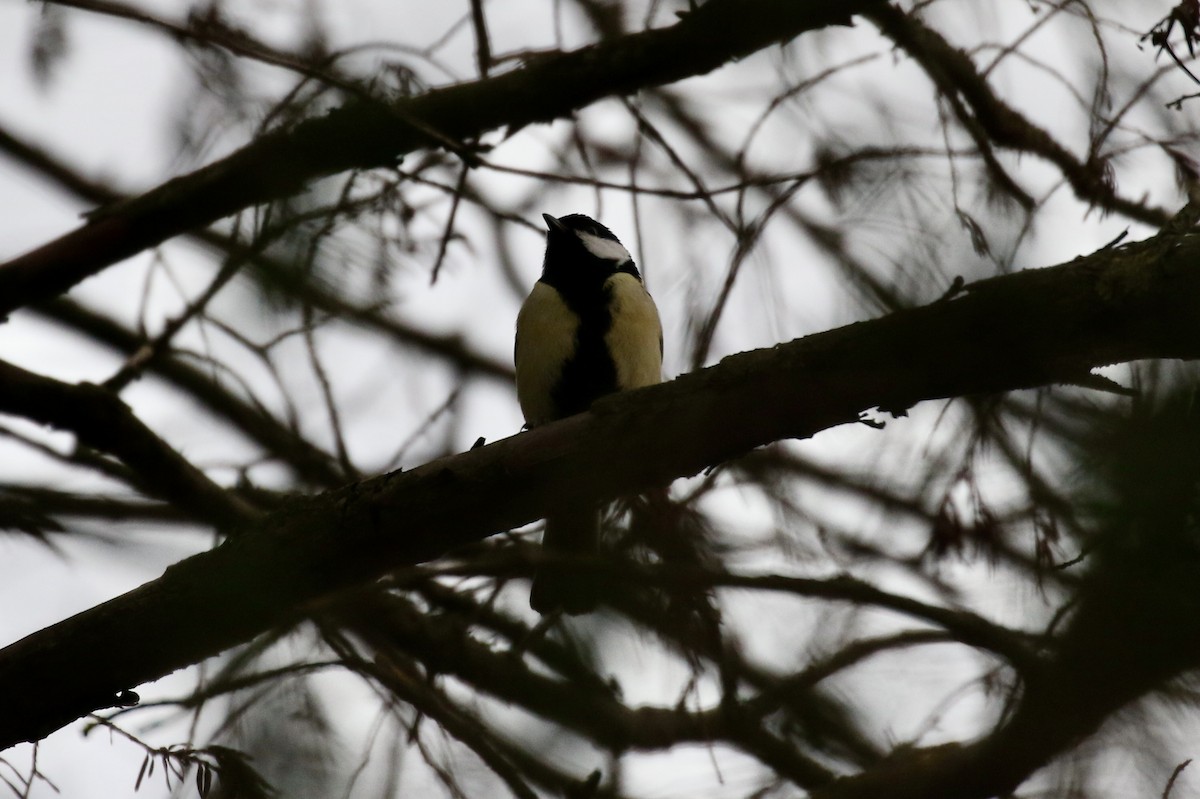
956,77
306,292
367,134
102,421
279,441
1027,329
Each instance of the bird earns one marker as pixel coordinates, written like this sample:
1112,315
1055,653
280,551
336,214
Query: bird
588,328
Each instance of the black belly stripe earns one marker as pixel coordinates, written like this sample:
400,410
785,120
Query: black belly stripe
590,372
588,375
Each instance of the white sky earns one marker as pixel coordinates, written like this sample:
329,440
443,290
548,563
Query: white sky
104,112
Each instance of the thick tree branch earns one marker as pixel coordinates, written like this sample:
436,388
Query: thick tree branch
1028,329
365,134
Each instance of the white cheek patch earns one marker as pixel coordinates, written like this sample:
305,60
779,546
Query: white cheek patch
607,249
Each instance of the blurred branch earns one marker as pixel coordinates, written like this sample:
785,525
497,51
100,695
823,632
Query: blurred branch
282,443
395,628
367,134
817,720
254,422
398,675
210,30
306,292
155,349
483,45
102,421
554,655
821,720
961,625
1027,329
957,78
79,456
1134,624
60,504
823,169
47,165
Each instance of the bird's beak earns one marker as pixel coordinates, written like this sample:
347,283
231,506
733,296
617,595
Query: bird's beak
553,224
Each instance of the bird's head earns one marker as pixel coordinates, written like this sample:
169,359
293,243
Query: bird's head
575,237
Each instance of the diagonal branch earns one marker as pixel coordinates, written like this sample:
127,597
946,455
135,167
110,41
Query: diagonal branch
318,296
305,459
100,420
391,624
366,134
955,76
1022,330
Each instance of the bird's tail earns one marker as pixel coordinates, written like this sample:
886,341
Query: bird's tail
575,533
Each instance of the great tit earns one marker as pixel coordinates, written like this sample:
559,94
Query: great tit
588,328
